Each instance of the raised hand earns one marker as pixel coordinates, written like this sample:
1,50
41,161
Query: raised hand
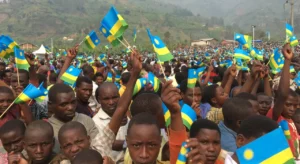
136,62
16,158
30,59
171,96
196,108
256,69
287,52
73,52
196,155
233,70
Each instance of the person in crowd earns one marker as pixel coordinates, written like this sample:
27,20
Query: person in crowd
98,78
83,90
251,128
62,103
264,103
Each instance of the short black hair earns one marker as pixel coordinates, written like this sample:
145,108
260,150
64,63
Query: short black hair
83,79
2,64
144,118
13,125
293,93
180,77
235,109
98,74
5,89
41,126
246,96
103,85
53,77
146,102
57,89
86,69
71,126
88,156
256,126
203,124
42,78
183,85
209,92
125,77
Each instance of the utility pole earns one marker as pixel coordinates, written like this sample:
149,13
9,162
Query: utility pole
292,12
253,34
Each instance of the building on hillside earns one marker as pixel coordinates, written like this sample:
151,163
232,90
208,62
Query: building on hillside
4,1
205,42
228,42
26,46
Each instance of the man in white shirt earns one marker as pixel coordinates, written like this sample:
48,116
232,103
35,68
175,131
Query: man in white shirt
108,96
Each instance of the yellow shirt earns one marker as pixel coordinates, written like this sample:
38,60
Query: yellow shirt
215,115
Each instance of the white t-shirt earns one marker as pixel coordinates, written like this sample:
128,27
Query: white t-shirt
229,160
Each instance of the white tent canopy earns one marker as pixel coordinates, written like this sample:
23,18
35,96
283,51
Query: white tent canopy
40,52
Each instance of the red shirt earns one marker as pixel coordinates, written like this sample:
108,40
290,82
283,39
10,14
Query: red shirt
294,140
13,113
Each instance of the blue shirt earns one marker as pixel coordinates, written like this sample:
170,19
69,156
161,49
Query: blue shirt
205,108
228,138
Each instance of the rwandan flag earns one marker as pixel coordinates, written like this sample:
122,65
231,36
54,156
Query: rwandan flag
192,78
21,62
134,35
102,57
275,71
200,71
292,69
44,91
294,41
289,30
241,54
275,150
118,78
188,116
167,115
154,81
182,159
276,60
65,53
124,64
297,80
244,40
114,23
5,52
71,75
109,77
8,41
163,53
30,92
114,41
92,40
140,83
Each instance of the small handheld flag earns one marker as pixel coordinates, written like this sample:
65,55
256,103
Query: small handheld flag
163,53
44,91
109,77
21,62
188,116
289,30
276,60
114,23
167,115
134,35
182,159
30,92
154,81
192,78
140,83
276,149
294,41
71,75
114,41
92,40
241,54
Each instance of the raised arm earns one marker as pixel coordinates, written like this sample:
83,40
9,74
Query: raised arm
267,86
255,70
70,56
283,89
32,72
231,76
125,99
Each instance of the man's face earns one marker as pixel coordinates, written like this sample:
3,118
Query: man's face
290,107
143,143
12,141
84,91
5,100
264,104
210,140
72,142
191,96
39,146
221,96
64,107
7,78
24,81
99,80
108,98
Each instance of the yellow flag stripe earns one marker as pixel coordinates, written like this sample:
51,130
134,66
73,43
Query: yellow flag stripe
90,42
280,157
187,118
162,51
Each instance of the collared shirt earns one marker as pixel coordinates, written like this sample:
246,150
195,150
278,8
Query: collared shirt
103,142
93,100
87,122
228,138
102,120
84,108
215,115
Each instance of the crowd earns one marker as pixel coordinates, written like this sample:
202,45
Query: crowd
105,118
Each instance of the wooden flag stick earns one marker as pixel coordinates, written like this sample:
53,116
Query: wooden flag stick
126,42
18,76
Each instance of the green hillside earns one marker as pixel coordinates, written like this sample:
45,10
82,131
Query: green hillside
37,21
